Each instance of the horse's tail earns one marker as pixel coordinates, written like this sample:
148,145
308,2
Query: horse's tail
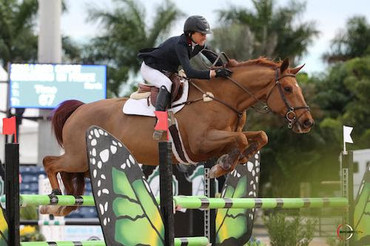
60,116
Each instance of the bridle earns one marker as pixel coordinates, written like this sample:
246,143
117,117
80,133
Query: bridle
290,115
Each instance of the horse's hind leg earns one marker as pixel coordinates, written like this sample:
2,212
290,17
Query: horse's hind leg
74,184
54,165
50,163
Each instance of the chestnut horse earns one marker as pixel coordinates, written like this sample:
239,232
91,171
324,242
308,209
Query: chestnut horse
208,129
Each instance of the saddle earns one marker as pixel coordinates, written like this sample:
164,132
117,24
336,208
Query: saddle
151,92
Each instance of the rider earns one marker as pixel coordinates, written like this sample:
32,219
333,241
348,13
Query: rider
176,51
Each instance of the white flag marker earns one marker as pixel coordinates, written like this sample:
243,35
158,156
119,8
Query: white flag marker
346,137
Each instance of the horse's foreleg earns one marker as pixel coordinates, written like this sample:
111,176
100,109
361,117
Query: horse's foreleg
256,140
231,143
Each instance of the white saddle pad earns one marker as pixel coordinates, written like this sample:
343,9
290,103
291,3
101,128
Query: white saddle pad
140,106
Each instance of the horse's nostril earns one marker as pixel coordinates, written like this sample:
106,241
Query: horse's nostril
308,123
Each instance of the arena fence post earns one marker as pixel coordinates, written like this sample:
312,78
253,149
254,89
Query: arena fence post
209,214
346,162
166,193
12,191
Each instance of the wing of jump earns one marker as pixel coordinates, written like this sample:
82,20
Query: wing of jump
362,212
127,210
234,226
3,228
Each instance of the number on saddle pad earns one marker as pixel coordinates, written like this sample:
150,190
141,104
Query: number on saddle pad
128,211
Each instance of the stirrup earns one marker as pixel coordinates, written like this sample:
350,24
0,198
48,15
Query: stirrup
157,135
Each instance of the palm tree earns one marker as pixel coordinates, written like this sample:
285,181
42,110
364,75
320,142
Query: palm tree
125,33
267,30
18,39
18,43
352,42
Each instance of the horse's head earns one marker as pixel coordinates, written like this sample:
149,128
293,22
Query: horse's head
286,99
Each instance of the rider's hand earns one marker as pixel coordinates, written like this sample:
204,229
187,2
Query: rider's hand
223,72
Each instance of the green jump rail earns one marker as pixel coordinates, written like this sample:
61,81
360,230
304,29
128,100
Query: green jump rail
190,241
197,202
286,203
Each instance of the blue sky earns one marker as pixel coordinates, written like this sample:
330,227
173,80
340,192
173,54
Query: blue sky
330,17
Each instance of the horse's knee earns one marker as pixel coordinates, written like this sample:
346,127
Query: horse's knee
240,141
263,138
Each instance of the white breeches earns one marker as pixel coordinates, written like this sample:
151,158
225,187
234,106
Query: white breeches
155,77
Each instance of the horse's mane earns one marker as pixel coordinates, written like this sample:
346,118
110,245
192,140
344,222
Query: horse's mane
262,61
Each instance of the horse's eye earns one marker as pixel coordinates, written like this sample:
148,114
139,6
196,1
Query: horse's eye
288,89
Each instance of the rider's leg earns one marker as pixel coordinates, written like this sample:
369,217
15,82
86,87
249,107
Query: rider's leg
157,78
163,100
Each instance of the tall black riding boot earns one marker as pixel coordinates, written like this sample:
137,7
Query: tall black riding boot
163,99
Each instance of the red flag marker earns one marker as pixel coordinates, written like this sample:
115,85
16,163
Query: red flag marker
9,127
162,124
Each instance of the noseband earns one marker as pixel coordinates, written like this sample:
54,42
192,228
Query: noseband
290,114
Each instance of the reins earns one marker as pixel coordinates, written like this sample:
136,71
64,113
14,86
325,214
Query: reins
205,94
290,115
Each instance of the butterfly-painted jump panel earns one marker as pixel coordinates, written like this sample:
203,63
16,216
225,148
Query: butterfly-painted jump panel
128,212
4,237
234,226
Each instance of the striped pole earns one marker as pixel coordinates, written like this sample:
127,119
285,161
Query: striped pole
183,241
286,203
198,202
65,243
84,221
62,200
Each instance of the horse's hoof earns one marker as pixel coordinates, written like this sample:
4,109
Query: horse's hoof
216,171
44,209
54,210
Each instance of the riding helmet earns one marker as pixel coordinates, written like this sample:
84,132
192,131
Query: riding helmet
197,23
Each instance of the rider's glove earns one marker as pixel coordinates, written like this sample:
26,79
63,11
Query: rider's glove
223,72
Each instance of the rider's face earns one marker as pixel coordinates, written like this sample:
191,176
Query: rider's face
199,38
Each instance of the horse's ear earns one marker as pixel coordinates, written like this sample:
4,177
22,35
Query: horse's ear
284,65
296,69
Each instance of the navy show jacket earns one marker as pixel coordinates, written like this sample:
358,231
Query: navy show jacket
174,52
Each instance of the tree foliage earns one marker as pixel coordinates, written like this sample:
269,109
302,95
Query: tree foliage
125,33
18,43
18,38
267,30
352,42
344,96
